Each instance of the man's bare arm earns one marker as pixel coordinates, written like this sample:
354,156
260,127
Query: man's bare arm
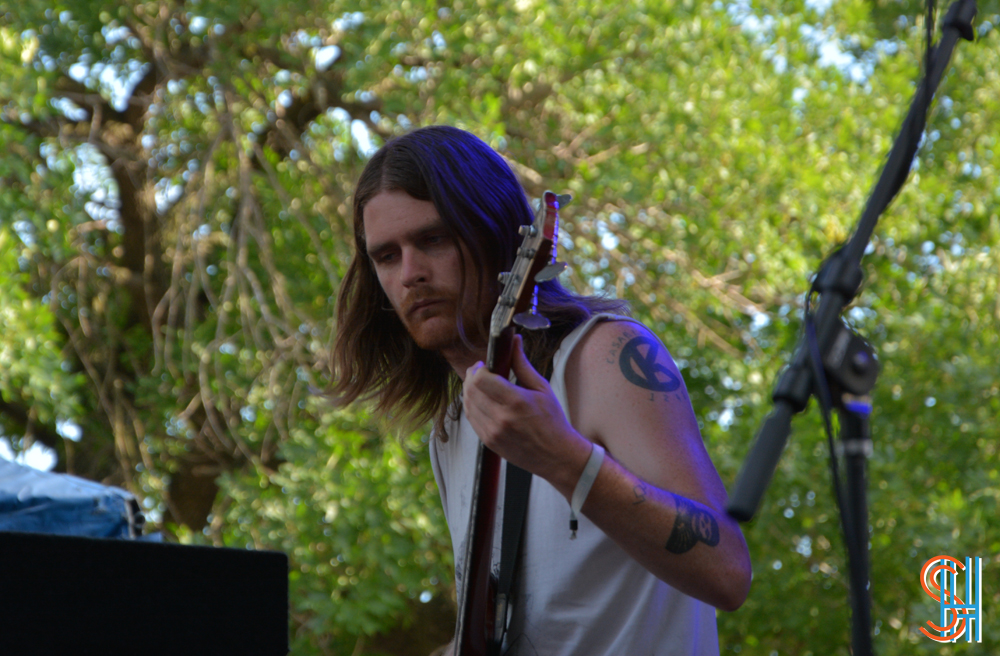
657,495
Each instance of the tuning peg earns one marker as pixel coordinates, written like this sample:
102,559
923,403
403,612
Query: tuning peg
550,271
564,199
527,230
531,321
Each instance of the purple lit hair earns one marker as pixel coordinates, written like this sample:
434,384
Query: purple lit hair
482,204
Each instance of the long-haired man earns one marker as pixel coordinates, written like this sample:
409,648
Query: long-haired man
598,402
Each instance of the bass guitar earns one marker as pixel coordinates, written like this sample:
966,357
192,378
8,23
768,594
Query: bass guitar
482,614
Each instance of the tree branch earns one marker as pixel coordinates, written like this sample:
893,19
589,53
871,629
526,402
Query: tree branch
20,417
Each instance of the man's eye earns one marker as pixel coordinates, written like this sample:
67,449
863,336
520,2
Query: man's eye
435,240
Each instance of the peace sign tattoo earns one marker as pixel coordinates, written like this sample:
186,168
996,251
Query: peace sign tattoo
693,525
639,366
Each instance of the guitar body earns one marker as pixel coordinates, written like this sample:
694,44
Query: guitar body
481,615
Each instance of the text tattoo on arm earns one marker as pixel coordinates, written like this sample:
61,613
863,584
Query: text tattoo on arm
693,525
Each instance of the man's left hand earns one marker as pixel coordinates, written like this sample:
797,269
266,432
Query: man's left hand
524,423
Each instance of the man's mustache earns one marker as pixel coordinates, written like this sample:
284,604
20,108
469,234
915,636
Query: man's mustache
424,297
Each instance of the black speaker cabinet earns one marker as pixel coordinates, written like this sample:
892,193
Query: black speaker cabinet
69,595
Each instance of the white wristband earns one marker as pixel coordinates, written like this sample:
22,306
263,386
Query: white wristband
583,486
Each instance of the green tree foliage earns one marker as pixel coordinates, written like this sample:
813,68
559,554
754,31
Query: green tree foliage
174,222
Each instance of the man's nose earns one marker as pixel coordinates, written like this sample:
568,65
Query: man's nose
414,267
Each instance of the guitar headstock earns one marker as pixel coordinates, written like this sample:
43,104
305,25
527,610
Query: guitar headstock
535,263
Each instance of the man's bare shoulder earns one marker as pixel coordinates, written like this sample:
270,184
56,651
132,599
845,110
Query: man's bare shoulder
620,366
626,393
628,351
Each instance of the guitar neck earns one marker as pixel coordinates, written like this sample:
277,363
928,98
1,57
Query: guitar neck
480,626
476,630
500,351
477,633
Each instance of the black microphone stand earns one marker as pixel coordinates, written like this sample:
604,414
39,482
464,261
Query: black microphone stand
831,358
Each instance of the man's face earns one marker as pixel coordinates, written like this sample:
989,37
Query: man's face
418,265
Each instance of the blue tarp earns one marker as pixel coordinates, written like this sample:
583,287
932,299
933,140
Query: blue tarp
33,501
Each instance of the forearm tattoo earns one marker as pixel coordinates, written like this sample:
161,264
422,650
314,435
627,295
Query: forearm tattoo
693,525
640,494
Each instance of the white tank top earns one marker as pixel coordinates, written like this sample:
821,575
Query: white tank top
582,597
